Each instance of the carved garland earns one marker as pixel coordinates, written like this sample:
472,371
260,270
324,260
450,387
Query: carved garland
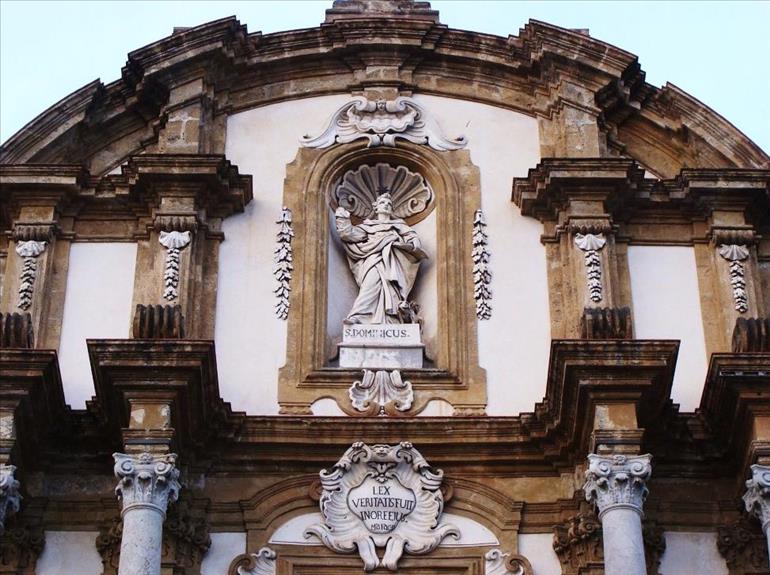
592,244
282,256
382,122
381,389
482,276
29,251
174,242
736,254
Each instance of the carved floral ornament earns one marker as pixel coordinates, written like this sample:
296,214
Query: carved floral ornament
382,122
382,496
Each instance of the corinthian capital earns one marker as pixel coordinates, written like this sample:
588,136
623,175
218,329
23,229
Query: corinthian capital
757,496
617,481
146,481
9,494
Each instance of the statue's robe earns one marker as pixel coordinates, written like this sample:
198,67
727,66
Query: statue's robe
384,272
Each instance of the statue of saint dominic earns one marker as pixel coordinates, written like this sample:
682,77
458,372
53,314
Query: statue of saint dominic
384,254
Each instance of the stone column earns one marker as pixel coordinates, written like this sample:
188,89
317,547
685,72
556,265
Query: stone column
617,485
757,497
147,483
9,494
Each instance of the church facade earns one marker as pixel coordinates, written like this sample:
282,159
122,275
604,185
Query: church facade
383,296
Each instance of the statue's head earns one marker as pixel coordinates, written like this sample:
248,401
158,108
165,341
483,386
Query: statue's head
383,204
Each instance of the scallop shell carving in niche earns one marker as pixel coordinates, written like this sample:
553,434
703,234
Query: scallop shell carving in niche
412,196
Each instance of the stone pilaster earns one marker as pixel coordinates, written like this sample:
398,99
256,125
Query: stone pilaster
618,486
9,494
146,485
757,497
575,199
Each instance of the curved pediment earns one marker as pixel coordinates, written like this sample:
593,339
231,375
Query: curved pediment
663,128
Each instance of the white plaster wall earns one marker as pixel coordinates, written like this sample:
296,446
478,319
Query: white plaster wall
690,553
69,552
538,548
664,289
250,340
224,548
97,305
514,345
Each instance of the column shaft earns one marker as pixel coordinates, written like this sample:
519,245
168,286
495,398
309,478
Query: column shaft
140,548
617,484
623,543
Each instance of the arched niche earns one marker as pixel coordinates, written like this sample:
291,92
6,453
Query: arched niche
456,376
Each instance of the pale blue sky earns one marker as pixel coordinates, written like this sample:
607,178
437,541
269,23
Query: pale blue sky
717,51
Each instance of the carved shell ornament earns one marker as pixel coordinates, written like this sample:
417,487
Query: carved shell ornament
382,122
412,196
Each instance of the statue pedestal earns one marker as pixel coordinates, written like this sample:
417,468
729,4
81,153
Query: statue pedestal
381,346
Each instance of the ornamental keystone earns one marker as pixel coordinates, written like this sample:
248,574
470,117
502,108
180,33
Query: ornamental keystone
617,481
146,481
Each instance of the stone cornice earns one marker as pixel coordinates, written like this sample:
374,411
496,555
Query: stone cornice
30,385
248,70
180,372
619,184
733,398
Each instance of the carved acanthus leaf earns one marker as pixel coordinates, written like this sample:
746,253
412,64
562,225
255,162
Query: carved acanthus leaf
381,122
381,388
146,480
617,480
757,496
744,546
412,196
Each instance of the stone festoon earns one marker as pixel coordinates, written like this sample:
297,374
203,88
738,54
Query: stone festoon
316,263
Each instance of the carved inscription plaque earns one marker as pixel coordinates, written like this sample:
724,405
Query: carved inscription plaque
382,496
381,504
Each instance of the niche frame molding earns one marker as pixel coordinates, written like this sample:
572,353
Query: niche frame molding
456,182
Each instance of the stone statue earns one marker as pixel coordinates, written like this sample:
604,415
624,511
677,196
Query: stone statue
384,254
